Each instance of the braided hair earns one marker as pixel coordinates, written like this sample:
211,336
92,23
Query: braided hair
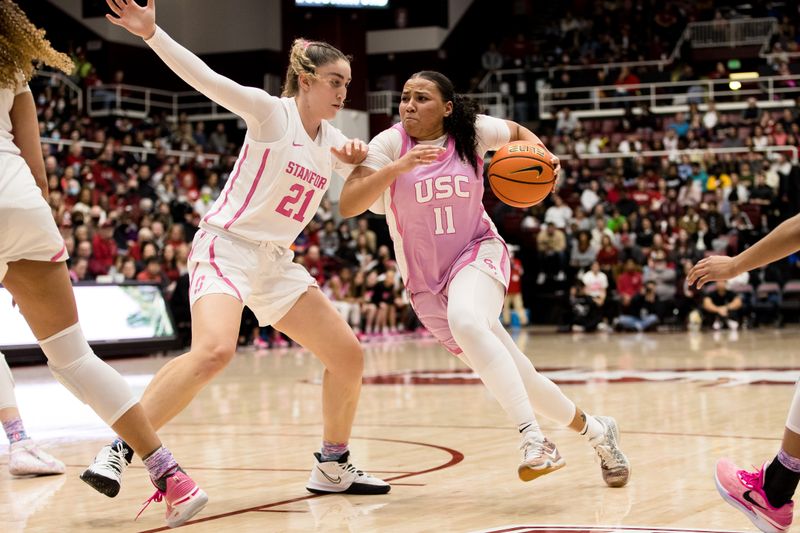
461,123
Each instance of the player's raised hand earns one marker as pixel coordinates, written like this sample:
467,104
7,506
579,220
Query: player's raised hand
354,152
138,20
713,268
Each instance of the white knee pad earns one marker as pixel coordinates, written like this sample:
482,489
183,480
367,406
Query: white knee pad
74,365
7,398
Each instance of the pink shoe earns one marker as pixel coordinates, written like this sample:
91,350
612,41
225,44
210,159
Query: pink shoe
745,491
260,344
184,499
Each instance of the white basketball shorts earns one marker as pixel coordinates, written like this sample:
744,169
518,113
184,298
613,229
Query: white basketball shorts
263,276
27,227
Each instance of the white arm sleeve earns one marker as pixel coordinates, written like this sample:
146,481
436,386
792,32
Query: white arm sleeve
492,133
383,149
262,112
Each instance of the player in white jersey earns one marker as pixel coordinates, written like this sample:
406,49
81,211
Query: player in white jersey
426,175
241,254
33,269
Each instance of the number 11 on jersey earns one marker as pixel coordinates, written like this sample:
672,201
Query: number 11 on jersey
444,224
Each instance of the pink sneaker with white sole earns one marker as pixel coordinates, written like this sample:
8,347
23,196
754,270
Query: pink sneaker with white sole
183,497
745,491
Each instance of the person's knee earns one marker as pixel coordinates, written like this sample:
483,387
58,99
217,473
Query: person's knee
211,359
347,359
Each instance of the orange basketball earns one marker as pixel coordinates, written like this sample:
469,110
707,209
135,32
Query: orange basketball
521,174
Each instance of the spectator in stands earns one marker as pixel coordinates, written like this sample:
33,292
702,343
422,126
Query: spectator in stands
596,283
660,272
152,272
218,140
629,282
566,122
751,114
492,59
582,253
722,307
584,313
79,271
312,261
590,196
128,269
680,125
513,299
642,311
608,257
761,193
362,228
551,246
558,214
103,249
329,239
710,117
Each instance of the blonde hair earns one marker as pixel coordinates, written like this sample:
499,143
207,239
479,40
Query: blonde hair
304,58
22,44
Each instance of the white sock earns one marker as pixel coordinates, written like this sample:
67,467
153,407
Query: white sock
593,430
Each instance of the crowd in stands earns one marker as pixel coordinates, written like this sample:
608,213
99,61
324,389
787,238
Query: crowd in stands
611,247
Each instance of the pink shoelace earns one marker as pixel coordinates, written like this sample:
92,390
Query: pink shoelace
156,497
751,479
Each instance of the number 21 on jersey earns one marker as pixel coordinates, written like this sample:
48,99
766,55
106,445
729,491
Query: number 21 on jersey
298,191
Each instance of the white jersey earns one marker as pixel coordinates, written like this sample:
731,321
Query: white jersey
276,187
281,175
6,102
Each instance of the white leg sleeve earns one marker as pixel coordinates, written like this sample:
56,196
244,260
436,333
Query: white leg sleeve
793,420
474,303
74,364
546,396
7,398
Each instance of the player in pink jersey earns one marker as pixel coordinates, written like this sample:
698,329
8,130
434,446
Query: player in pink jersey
426,175
33,269
765,495
241,255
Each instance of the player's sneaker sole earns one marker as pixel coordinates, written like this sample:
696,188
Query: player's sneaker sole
101,484
193,504
527,473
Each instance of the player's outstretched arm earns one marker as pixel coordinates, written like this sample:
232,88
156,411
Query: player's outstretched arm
782,241
365,185
254,105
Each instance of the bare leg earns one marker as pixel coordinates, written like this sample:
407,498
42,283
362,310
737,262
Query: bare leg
215,328
334,343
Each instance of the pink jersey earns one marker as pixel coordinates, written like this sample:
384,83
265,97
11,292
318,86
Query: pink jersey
435,215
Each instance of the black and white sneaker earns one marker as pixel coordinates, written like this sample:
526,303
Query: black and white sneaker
328,477
105,474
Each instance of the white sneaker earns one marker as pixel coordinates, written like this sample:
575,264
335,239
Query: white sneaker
717,325
539,457
614,466
28,459
341,476
733,325
105,474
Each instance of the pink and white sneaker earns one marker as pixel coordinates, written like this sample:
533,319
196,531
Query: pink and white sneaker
745,491
184,499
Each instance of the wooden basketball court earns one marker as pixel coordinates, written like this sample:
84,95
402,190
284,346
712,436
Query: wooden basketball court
682,400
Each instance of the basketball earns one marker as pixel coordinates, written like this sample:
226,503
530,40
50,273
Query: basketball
521,174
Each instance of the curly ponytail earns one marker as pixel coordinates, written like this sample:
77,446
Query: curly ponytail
22,44
461,123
